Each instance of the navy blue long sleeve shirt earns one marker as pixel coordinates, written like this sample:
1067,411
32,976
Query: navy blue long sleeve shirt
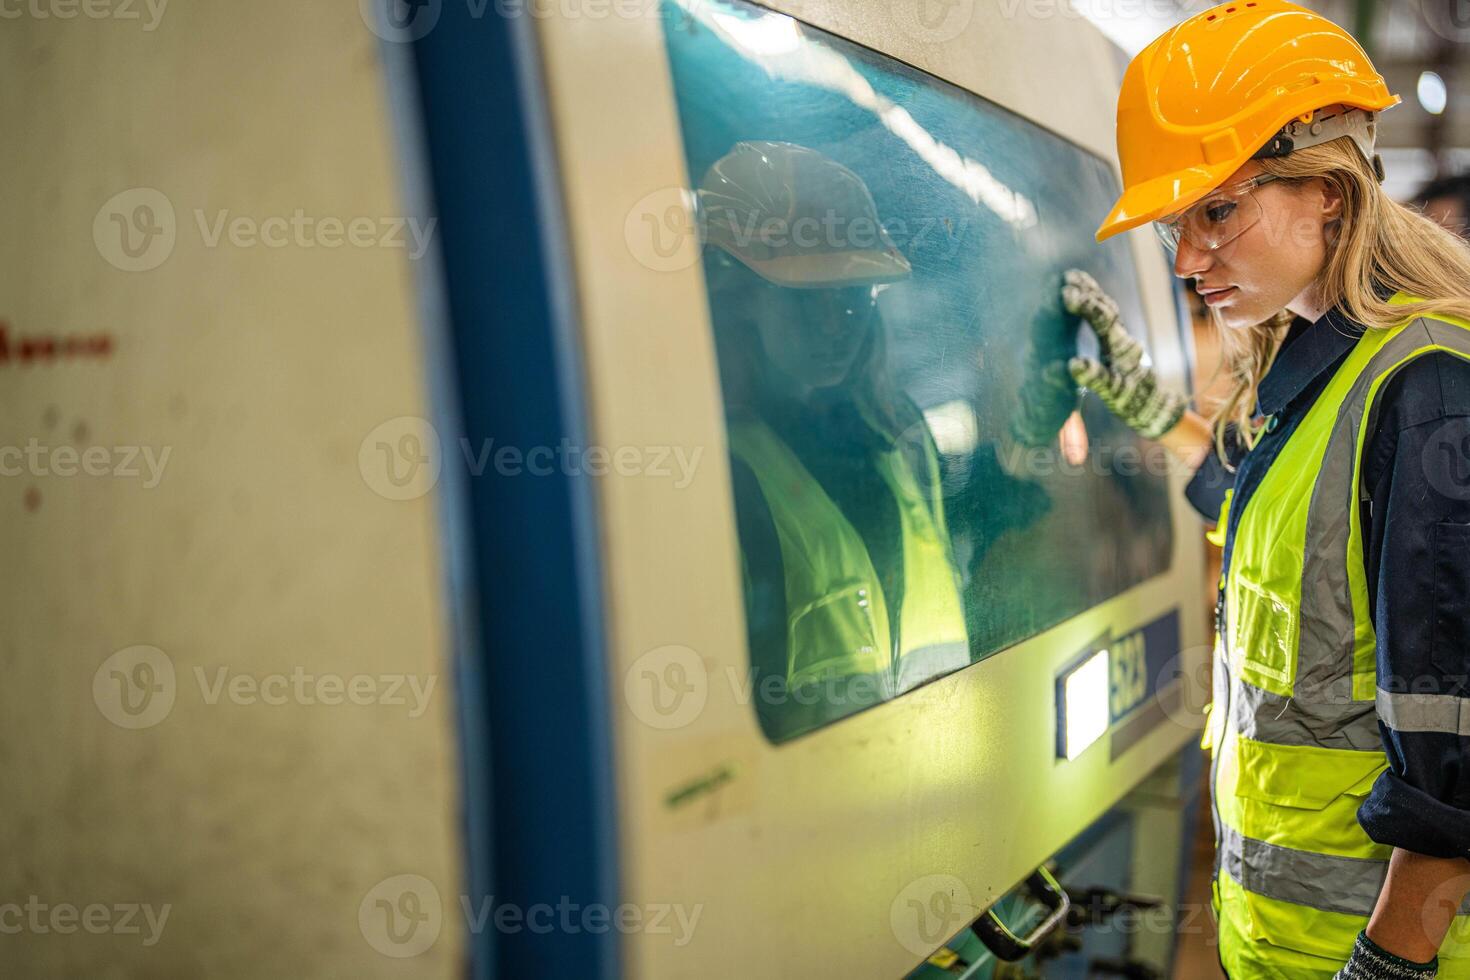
1416,535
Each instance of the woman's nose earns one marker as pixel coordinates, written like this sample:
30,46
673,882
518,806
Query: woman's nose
1191,262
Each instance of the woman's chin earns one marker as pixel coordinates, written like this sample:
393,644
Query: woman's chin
1236,317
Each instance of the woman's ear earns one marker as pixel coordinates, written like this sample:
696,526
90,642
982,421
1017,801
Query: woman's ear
1331,203
1330,208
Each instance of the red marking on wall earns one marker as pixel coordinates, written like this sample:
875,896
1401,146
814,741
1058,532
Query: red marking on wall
49,348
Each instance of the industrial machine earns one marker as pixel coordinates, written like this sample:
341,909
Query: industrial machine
853,841
480,368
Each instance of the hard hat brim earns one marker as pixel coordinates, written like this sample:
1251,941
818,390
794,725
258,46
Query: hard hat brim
1153,199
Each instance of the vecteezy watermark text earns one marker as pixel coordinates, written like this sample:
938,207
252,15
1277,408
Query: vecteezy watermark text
90,9
665,229
120,462
402,459
570,459
136,230
405,21
136,687
1124,459
402,916
310,231
39,917
300,687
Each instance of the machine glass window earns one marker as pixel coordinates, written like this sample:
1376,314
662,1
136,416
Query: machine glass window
917,482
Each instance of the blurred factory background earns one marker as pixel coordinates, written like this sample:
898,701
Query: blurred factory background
1418,45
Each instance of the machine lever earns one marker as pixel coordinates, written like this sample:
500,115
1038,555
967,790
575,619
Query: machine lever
1004,943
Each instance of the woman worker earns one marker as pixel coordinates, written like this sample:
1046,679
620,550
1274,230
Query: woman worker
1341,713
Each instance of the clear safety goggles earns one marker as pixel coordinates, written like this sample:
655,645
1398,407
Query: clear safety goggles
1223,215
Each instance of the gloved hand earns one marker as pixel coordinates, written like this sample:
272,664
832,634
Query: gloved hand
1127,387
1048,395
1371,962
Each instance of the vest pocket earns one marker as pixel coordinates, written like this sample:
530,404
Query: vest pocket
1299,929
1304,777
1304,801
1305,797
1264,636
1451,543
835,637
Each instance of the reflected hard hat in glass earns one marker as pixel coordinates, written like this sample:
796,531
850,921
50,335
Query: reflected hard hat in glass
796,218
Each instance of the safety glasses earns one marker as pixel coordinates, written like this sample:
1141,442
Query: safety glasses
1222,216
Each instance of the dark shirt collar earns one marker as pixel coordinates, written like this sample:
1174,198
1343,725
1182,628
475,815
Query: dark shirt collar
1310,348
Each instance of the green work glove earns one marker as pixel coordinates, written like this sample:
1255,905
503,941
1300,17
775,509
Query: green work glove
1372,962
1126,386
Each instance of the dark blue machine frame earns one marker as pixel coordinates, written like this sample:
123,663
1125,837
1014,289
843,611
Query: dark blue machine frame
539,798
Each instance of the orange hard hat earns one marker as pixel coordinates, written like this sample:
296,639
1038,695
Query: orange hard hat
1218,89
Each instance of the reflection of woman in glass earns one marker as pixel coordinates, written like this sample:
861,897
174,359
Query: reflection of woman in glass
851,590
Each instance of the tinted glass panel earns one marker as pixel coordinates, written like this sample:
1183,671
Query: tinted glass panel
917,483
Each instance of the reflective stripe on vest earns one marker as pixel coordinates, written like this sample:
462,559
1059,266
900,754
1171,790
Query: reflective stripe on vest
1320,881
1301,746
838,624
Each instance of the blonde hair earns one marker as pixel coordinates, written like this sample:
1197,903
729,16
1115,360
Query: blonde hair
1376,240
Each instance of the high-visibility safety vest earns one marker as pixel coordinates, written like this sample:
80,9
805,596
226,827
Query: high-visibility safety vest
838,622
1293,725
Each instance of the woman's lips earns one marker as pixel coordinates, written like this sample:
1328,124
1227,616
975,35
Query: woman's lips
1213,296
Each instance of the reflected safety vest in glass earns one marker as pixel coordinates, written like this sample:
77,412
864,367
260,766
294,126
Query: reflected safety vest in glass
838,623
1294,722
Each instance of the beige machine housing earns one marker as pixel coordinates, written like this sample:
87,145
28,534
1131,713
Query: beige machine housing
257,813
